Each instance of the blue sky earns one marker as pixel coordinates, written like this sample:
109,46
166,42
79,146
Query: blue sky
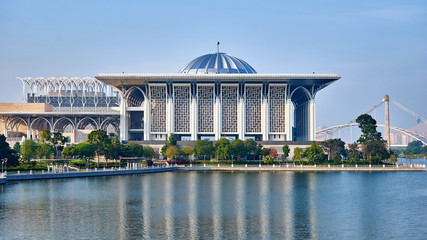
377,47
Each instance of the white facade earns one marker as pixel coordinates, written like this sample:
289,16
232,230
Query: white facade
263,111
233,101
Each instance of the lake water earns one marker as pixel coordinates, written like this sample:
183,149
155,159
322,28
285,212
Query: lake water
219,205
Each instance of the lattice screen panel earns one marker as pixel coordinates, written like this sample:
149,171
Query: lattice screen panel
182,108
158,108
205,109
229,108
277,98
253,109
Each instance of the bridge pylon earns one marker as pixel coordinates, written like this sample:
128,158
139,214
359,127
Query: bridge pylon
387,120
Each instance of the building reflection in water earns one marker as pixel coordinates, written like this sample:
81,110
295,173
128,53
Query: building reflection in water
216,205
169,205
122,212
241,205
146,201
288,204
264,204
301,206
312,181
193,205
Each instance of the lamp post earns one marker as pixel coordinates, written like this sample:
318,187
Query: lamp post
204,159
3,161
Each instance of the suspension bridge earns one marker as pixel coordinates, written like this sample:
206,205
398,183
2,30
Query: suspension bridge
395,136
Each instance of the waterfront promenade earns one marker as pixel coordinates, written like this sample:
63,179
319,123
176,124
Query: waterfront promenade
157,169
85,173
312,168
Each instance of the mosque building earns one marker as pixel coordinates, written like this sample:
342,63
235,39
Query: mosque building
215,95
218,95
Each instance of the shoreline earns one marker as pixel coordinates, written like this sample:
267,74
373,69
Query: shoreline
312,168
74,174
230,168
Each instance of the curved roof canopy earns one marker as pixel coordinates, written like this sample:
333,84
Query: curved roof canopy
217,63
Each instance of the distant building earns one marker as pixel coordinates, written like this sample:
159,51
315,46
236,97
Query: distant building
73,106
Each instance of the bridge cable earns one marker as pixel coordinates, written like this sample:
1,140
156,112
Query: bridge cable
408,110
370,110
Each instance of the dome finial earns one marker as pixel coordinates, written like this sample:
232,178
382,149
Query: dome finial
217,47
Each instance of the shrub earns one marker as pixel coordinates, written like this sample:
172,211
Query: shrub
268,159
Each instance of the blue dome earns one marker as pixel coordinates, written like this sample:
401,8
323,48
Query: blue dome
217,63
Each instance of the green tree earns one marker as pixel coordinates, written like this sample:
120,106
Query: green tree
238,149
28,150
58,141
375,151
7,153
134,150
298,154
353,153
333,147
16,147
69,152
44,151
265,152
163,150
368,126
100,140
314,153
414,147
373,147
253,149
45,135
424,150
222,149
171,142
203,148
85,151
393,158
114,151
286,151
149,152
172,152
186,151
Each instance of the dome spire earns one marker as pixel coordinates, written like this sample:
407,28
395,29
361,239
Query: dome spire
217,47
217,57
